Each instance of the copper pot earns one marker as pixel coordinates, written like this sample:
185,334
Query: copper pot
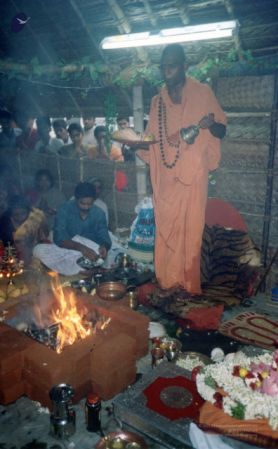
111,291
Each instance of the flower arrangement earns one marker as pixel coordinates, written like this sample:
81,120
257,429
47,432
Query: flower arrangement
244,387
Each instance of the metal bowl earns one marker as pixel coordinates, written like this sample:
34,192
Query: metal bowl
111,291
170,344
171,348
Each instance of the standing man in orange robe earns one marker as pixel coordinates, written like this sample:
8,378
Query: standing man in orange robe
179,170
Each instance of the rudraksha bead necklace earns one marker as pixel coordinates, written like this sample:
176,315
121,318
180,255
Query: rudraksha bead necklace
162,122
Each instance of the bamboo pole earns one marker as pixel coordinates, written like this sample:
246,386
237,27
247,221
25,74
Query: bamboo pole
138,114
270,177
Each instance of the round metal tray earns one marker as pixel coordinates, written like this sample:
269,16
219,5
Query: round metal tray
88,264
122,440
196,355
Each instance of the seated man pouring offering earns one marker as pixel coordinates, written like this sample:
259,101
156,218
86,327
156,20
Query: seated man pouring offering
80,229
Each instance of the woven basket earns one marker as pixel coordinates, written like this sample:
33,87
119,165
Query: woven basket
141,253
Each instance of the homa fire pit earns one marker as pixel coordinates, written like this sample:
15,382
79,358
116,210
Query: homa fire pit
103,360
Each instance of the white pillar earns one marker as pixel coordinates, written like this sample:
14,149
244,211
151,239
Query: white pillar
138,114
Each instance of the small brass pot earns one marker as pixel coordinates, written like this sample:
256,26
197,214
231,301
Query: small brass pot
111,291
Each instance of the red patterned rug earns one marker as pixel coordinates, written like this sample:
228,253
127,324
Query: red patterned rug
174,398
251,328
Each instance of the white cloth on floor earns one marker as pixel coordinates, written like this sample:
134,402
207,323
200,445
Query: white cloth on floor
203,440
63,260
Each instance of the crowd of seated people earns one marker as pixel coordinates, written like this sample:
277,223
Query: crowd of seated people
24,132
31,216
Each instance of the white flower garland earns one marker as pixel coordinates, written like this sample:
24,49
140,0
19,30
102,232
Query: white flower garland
257,404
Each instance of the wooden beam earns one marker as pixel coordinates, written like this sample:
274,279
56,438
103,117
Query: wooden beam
85,26
151,15
96,44
183,11
124,27
230,9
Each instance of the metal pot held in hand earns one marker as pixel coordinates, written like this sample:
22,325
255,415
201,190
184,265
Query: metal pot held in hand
189,134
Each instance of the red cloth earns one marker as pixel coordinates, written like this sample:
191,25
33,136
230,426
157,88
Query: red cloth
203,318
221,213
121,181
254,431
143,292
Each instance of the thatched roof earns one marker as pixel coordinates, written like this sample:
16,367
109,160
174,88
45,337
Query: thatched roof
69,29
66,31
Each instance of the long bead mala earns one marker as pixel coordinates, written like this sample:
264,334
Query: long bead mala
162,123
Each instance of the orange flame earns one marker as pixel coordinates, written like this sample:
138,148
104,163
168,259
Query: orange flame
72,323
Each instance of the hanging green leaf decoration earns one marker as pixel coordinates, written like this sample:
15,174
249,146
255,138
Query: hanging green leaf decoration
93,72
233,64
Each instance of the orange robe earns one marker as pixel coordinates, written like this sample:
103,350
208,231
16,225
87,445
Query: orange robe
180,193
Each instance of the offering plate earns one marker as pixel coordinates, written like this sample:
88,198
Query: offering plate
88,264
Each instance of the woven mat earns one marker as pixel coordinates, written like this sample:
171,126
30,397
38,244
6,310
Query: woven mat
252,328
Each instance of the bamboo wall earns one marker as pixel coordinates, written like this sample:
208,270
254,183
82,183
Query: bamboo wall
246,173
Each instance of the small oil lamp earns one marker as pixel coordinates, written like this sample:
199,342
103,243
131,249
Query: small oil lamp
10,265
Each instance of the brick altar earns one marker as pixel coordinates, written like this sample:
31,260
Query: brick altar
104,362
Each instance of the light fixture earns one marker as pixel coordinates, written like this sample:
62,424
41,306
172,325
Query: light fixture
172,35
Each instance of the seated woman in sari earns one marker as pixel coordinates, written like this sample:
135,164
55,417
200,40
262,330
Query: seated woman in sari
23,227
45,195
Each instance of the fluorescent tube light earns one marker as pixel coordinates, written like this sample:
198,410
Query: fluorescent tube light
172,35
